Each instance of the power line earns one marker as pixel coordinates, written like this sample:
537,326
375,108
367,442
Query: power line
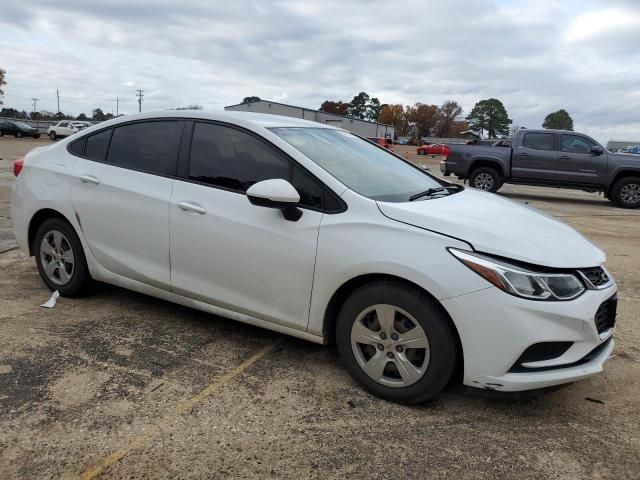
34,100
140,95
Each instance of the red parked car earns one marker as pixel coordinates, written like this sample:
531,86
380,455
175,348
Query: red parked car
434,149
383,142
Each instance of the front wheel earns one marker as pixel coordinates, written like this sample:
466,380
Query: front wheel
421,152
60,258
625,192
36,136
396,342
485,178
18,134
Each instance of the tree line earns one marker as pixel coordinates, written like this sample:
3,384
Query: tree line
420,120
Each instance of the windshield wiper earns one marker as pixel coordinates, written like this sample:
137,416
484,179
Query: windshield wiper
426,193
452,188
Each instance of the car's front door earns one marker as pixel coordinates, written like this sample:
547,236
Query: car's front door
230,253
577,163
535,158
121,197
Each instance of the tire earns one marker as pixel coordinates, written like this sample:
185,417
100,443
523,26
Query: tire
53,236
18,134
486,179
1,133
414,314
53,136
625,193
36,136
421,152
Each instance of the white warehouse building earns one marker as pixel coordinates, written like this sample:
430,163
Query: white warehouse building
363,128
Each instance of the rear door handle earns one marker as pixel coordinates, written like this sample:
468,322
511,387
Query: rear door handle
192,207
563,156
523,154
89,179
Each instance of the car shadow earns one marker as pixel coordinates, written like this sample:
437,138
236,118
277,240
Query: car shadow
546,198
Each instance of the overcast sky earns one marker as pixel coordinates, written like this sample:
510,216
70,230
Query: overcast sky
536,56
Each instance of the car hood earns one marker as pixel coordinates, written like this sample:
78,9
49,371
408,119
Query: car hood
498,226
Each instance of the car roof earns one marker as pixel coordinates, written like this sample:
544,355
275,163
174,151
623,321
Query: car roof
248,119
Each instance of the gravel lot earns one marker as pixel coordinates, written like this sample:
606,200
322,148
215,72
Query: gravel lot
120,385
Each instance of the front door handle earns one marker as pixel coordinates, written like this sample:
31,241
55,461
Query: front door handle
563,156
524,154
89,179
192,207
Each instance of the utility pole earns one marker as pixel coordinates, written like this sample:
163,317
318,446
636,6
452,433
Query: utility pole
117,106
140,95
35,100
58,95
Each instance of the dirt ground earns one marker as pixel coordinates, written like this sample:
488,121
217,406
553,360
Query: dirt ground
120,385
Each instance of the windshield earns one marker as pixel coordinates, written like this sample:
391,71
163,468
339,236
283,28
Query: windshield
363,167
21,125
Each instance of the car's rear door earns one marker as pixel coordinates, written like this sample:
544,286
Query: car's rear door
536,157
230,253
576,162
121,190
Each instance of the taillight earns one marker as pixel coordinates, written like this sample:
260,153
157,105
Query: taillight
446,153
17,166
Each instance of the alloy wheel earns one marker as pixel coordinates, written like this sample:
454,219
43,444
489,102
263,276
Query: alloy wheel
483,181
57,257
390,345
630,193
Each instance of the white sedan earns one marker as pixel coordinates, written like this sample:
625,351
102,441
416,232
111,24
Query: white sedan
312,231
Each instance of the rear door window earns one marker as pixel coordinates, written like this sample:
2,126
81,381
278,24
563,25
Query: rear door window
146,146
539,141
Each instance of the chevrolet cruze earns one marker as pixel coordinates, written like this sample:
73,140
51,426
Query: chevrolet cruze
315,232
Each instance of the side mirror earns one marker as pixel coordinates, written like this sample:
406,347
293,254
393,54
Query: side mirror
597,150
276,193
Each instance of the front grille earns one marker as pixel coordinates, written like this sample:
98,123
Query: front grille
596,275
606,315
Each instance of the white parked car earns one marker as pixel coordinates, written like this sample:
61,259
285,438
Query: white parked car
66,128
311,231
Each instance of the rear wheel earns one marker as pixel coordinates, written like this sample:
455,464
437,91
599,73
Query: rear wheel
60,258
52,135
37,135
1,133
485,178
625,192
18,134
396,342
421,152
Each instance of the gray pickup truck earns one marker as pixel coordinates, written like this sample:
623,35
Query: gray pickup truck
550,158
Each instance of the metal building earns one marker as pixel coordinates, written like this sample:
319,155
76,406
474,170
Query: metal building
360,127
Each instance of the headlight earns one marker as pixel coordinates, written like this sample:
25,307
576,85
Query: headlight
520,281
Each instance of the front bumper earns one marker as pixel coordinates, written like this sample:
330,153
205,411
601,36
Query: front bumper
496,328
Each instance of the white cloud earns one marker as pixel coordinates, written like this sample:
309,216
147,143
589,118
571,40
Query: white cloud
535,55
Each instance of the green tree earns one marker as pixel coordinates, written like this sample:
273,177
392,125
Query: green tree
82,116
338,108
59,116
490,115
251,99
2,82
98,115
560,120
